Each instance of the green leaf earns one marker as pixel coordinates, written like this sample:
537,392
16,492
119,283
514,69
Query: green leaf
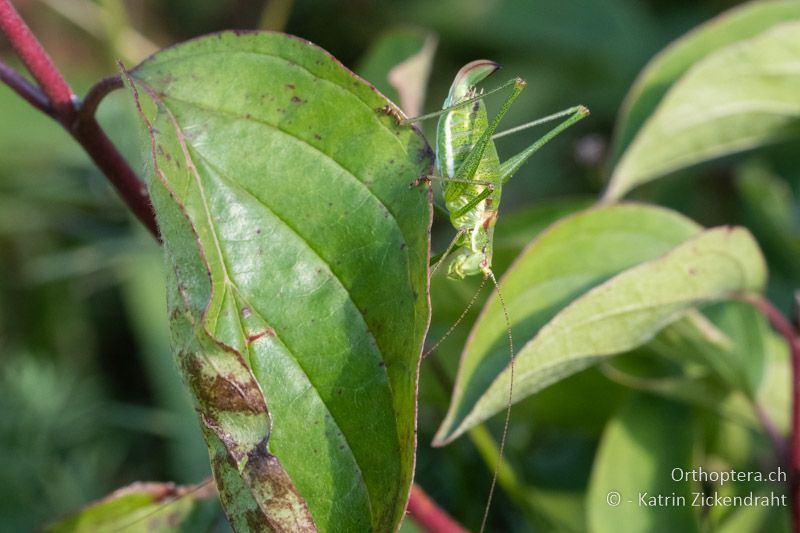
739,97
297,275
139,508
769,204
728,342
714,359
568,258
776,386
399,64
757,518
561,302
636,460
743,348
670,64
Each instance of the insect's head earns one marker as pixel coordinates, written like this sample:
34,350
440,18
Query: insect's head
470,75
467,263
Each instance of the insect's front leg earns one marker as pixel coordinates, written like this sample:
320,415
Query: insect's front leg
393,112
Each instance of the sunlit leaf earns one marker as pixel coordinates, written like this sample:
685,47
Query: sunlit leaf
739,97
296,272
570,315
671,63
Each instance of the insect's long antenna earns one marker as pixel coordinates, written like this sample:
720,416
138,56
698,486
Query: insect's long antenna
457,322
508,408
462,103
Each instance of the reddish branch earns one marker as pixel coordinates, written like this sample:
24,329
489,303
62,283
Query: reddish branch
36,60
425,512
792,336
54,97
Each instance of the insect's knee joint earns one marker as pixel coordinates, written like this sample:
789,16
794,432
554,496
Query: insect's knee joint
519,83
416,182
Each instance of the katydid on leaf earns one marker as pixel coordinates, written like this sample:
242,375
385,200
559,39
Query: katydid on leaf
468,165
472,179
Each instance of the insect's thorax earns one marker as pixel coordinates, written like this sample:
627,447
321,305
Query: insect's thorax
457,133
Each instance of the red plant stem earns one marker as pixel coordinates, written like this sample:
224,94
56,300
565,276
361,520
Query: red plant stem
96,94
108,159
36,60
792,336
55,98
428,515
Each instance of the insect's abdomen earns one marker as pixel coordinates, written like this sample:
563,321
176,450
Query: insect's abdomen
457,133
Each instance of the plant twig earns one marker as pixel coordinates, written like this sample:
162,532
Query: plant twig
55,98
38,63
427,514
96,94
31,93
108,159
783,326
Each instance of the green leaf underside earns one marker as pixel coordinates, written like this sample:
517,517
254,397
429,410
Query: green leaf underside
667,67
596,284
297,257
632,460
138,508
740,97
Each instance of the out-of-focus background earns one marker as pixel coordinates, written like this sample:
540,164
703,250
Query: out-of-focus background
89,396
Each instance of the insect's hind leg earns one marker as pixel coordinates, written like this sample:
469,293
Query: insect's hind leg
509,167
470,164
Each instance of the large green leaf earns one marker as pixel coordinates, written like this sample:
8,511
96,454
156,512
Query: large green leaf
562,304
297,275
741,96
670,64
635,463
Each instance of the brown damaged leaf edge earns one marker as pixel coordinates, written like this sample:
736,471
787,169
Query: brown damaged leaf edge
161,495
279,505
269,479
223,392
274,486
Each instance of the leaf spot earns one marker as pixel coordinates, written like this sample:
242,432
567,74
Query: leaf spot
268,332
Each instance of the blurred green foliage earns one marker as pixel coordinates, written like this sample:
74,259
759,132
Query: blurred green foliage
89,397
